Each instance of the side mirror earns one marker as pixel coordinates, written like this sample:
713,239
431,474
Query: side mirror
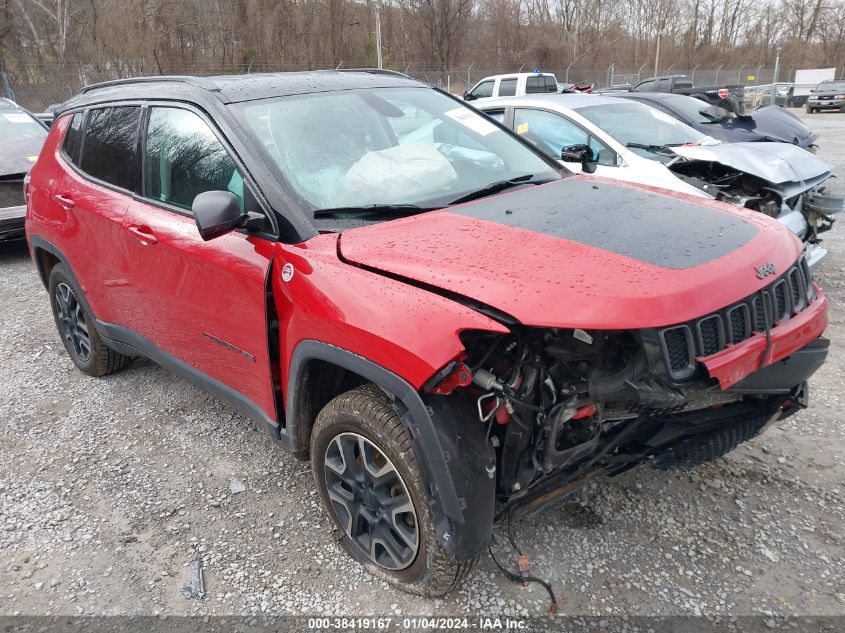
580,154
217,213
468,96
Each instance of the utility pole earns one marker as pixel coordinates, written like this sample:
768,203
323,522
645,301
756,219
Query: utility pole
657,55
775,78
378,36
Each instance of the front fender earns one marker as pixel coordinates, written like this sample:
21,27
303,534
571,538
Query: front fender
405,329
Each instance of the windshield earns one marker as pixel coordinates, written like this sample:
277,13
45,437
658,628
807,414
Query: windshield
16,125
690,109
831,85
390,146
634,124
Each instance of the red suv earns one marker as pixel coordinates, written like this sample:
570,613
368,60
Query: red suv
403,291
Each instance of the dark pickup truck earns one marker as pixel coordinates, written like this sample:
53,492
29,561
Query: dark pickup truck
729,97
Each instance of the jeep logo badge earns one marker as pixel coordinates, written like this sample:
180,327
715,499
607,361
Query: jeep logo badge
765,270
287,272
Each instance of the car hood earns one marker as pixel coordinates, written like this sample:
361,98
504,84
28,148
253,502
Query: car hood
583,252
775,162
16,157
775,124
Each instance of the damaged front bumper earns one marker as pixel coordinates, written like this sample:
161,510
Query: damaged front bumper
736,363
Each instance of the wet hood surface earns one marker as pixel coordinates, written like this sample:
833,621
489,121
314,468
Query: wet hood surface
16,157
582,252
776,162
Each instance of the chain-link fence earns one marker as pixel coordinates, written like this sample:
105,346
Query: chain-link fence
37,87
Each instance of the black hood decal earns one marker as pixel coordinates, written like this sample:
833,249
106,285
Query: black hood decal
654,228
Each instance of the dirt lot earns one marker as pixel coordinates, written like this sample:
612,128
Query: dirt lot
110,488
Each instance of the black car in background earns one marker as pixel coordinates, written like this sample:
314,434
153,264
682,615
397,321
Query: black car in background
828,95
21,138
771,123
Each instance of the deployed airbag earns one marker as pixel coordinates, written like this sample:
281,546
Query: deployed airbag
398,173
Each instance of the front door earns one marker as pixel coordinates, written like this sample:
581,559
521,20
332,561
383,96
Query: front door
201,302
551,132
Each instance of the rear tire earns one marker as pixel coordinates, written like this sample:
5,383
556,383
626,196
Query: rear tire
76,326
355,433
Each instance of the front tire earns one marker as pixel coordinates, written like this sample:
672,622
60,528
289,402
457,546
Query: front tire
370,485
75,324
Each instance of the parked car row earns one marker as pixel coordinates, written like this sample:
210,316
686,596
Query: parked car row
421,298
615,137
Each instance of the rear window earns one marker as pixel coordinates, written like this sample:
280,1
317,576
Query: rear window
534,85
109,146
17,125
551,84
73,138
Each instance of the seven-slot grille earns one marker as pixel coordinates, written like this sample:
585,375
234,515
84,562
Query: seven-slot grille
788,295
11,192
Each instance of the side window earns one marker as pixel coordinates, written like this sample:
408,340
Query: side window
663,85
108,148
551,84
551,132
507,87
534,85
498,115
483,90
73,138
646,86
183,158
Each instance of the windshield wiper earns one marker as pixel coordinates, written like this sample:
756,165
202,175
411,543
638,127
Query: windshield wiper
496,187
657,149
372,209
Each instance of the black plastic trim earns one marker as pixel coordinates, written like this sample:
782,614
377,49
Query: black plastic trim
784,375
418,421
128,342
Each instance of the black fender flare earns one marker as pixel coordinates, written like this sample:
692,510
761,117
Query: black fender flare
456,466
36,242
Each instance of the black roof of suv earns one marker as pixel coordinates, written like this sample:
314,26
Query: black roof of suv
238,88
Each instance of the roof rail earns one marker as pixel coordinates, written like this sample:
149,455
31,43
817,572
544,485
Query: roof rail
199,82
374,71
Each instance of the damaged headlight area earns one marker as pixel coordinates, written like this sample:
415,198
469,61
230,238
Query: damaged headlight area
808,200
558,404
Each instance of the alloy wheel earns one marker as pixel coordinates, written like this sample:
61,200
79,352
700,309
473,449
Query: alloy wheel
371,501
75,330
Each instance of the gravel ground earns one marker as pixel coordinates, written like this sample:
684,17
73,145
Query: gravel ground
110,488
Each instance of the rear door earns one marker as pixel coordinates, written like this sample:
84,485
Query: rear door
101,174
200,302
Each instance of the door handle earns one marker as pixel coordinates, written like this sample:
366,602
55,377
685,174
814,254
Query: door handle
66,202
143,234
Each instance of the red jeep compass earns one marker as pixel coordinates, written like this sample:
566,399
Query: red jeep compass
403,291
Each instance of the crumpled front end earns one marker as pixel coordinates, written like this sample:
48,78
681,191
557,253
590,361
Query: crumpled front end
563,405
780,180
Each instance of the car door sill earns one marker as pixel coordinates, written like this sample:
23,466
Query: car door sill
126,341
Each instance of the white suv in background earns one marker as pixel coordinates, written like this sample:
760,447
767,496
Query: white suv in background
512,85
